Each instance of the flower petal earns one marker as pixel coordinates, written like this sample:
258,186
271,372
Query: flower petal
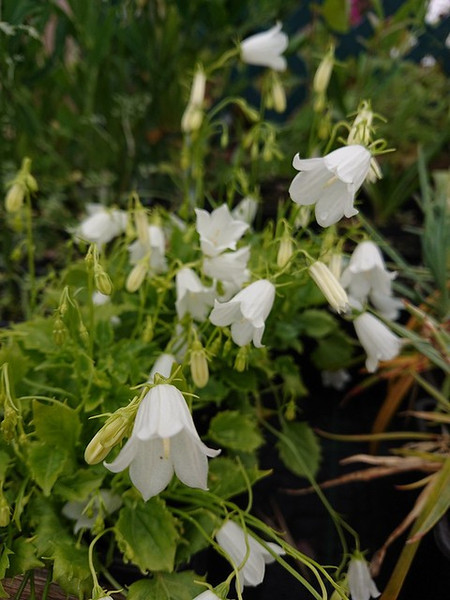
151,471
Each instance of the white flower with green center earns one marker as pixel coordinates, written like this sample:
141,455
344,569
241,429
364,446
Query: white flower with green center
163,441
246,312
265,49
377,340
331,182
101,225
193,297
360,583
218,230
367,277
240,545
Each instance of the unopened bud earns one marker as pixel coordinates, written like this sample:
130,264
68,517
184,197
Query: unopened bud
14,198
285,251
323,73
193,115
290,411
329,286
31,183
335,264
5,512
112,432
241,362
361,130
141,223
83,333
137,275
278,95
9,423
59,331
199,365
148,332
102,280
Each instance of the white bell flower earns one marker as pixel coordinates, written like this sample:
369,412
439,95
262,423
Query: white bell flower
238,545
331,182
436,11
377,340
207,595
245,210
218,230
101,225
230,268
163,441
246,312
361,584
85,513
163,366
192,296
154,246
265,49
366,277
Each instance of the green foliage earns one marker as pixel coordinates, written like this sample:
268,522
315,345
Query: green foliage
299,449
235,431
147,535
167,586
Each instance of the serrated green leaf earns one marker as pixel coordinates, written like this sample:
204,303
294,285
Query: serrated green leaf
192,539
45,464
77,486
23,557
234,430
48,527
299,449
71,568
147,535
167,586
226,478
316,323
4,564
56,424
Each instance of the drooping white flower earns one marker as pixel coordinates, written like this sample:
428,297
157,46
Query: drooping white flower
265,49
218,230
367,277
246,312
377,340
230,268
192,296
163,441
154,246
336,379
331,182
246,210
207,595
163,366
239,544
85,513
361,584
101,225
329,286
437,10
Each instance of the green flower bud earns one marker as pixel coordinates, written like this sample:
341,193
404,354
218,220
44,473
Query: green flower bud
199,365
14,198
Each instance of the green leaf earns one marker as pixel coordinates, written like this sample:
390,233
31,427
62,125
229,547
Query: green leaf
77,486
234,430
333,351
46,464
193,540
226,478
299,449
56,424
146,534
245,381
336,14
47,527
71,568
167,586
316,323
5,459
4,564
23,557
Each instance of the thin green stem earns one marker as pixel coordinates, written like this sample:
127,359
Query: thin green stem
30,253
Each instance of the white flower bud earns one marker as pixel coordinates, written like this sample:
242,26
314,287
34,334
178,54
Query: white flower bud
329,286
